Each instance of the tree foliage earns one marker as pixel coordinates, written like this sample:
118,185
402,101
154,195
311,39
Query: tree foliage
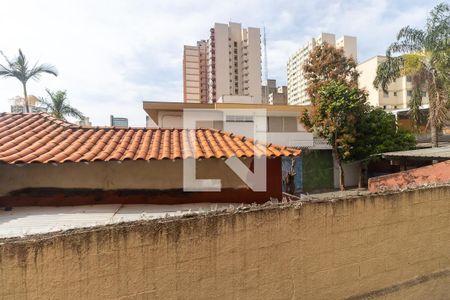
338,109
59,107
327,63
424,55
378,132
20,69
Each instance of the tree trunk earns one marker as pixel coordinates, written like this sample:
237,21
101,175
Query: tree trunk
433,127
341,171
361,175
341,176
25,98
434,135
432,113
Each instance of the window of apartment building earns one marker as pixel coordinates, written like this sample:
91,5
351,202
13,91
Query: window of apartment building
236,77
235,64
408,78
409,93
235,57
235,44
385,94
395,93
235,51
236,91
243,118
282,124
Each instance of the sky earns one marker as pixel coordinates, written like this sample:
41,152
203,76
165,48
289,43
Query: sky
112,55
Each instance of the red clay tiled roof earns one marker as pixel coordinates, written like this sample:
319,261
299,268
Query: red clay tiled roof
40,138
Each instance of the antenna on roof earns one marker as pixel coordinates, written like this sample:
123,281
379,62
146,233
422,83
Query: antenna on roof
266,72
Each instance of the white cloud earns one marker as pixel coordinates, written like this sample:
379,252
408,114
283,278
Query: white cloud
111,55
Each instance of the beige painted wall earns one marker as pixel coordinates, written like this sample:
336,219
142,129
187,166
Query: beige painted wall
165,174
393,247
397,95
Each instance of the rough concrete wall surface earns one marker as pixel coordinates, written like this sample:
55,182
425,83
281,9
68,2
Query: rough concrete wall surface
393,246
430,175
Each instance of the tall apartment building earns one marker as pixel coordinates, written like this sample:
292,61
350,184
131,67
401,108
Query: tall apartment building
399,92
296,82
195,87
232,65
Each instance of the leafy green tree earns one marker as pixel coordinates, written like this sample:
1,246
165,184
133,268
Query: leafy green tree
20,69
425,56
378,132
59,107
338,108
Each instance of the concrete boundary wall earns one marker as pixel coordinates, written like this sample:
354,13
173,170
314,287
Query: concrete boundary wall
391,246
425,176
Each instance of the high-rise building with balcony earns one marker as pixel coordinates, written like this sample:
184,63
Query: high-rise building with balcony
296,81
233,65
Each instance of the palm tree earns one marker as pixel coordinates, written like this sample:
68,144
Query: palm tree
19,68
59,107
425,56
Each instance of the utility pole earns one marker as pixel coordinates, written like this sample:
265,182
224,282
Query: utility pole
266,72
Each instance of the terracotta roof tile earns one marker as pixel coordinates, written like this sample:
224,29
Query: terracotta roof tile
40,138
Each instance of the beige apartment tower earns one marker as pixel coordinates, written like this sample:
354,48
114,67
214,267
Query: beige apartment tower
231,68
399,92
195,87
296,82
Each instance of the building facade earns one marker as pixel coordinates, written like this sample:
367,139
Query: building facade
273,94
118,121
399,92
195,87
280,122
296,82
228,64
18,105
84,122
